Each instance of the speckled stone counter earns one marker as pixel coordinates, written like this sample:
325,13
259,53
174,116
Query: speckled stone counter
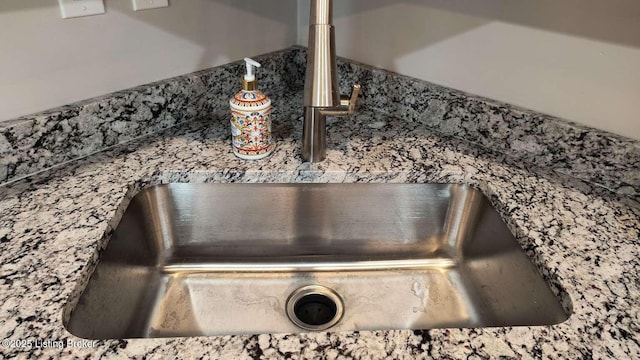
39,141
584,240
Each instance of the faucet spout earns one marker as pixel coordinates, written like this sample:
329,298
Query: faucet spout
321,82
321,93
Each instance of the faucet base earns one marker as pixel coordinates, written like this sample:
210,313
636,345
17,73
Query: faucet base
314,135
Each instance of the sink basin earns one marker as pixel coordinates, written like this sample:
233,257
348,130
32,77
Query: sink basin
224,259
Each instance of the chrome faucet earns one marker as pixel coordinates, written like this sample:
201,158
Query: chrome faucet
321,93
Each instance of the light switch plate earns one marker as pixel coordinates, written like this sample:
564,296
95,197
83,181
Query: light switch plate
149,4
77,8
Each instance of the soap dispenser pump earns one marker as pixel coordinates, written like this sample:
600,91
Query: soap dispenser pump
251,118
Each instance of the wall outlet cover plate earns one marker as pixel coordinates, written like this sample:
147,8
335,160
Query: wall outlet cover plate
78,8
149,4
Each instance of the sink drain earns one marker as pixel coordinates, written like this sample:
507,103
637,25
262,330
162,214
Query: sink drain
314,307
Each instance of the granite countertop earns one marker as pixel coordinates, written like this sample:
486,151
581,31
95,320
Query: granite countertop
584,241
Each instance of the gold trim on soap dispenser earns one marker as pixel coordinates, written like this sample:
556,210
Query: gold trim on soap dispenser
250,85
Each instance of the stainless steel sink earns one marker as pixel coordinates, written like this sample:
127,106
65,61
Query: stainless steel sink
223,259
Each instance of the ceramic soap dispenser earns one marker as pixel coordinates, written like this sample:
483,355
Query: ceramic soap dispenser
251,119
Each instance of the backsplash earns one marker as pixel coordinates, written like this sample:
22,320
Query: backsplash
37,142
599,157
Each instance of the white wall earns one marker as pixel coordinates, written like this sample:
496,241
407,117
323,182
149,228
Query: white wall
46,61
576,59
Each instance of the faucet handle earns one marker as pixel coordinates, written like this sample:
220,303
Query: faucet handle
349,102
354,98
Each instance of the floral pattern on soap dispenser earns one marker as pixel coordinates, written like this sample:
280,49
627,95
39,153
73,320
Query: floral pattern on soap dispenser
251,133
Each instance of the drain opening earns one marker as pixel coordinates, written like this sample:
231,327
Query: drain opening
314,307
